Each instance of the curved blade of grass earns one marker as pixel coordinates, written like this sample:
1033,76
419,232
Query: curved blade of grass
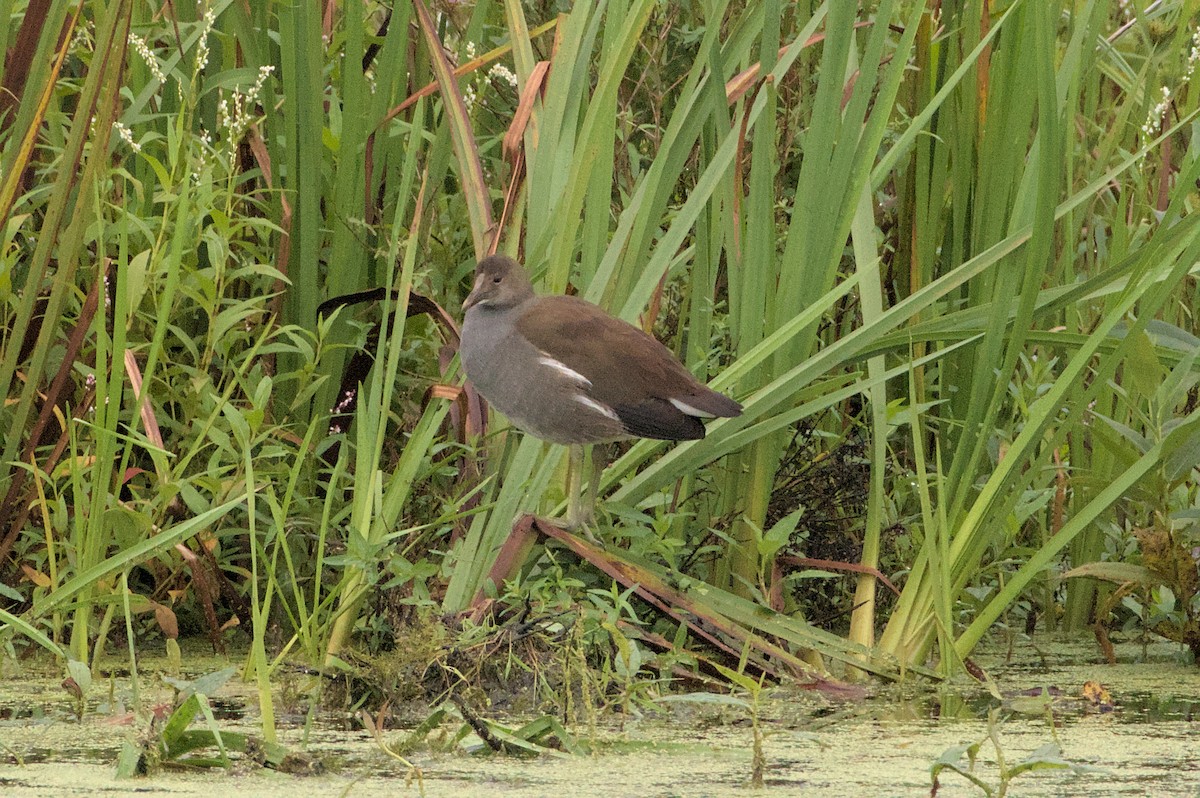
474,187
19,624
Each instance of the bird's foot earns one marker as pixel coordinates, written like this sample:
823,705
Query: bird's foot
582,524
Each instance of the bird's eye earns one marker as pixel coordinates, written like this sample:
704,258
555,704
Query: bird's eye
496,280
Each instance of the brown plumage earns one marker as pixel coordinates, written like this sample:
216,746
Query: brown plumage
564,370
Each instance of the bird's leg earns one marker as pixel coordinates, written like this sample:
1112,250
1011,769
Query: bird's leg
579,518
598,454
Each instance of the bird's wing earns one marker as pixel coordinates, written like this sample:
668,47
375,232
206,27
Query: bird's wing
623,363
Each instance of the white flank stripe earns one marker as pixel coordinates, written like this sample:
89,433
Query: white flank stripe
565,370
594,405
688,410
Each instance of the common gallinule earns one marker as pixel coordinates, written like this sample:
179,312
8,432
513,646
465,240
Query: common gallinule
565,371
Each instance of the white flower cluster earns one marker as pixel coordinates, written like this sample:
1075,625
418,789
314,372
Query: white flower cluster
501,72
471,88
1154,120
1193,55
82,40
202,158
125,133
468,91
235,113
143,49
210,19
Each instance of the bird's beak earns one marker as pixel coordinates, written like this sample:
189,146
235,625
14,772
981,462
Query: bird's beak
476,294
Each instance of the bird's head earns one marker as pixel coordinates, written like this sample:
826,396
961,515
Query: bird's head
500,283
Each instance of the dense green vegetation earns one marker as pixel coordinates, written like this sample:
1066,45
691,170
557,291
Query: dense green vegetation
943,254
